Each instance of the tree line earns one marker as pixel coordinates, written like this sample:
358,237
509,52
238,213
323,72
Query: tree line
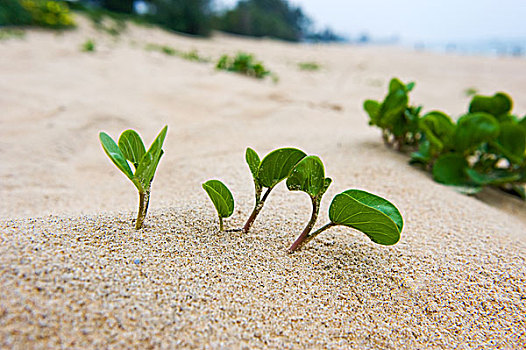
259,18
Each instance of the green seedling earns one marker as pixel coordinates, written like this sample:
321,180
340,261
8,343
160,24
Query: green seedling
274,168
222,199
243,63
130,149
398,120
309,66
88,46
378,218
309,176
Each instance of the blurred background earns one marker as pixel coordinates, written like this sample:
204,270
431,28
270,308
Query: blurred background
485,27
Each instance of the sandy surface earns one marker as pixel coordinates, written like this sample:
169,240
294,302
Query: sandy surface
74,273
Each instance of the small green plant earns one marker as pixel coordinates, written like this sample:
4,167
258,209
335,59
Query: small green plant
470,91
88,46
221,198
243,63
309,66
274,168
398,120
130,149
191,55
378,218
485,147
10,33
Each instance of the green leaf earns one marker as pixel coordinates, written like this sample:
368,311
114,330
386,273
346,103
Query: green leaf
326,183
450,169
423,154
496,105
438,129
132,147
277,165
307,176
150,160
373,109
474,129
115,154
395,84
221,197
376,217
512,139
494,177
253,162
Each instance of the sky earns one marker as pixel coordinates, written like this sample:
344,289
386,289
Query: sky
419,20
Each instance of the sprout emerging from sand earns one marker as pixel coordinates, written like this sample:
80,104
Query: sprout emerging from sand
222,199
274,168
131,149
376,217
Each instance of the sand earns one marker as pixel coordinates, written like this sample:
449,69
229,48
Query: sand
75,274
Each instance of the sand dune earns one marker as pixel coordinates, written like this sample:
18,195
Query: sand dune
74,273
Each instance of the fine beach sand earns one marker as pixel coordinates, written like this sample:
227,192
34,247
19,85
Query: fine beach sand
75,274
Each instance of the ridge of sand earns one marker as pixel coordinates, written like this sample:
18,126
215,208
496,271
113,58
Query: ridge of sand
83,278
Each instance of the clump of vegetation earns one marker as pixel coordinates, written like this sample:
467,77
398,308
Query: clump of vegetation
191,55
10,33
46,13
379,219
243,63
309,66
130,149
398,120
221,198
42,13
485,147
88,46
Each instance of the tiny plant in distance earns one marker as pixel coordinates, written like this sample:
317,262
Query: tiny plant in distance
267,173
131,149
88,46
376,217
221,198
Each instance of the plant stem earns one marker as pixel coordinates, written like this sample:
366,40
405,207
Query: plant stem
144,200
255,212
221,224
315,233
310,225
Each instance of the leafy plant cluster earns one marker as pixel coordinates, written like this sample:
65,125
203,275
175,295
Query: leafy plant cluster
191,55
243,63
42,13
484,147
88,46
309,66
379,219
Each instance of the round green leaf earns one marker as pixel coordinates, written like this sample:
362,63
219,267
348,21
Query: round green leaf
450,169
221,197
113,151
307,176
512,139
438,128
493,177
132,147
496,105
277,165
376,217
373,109
474,129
